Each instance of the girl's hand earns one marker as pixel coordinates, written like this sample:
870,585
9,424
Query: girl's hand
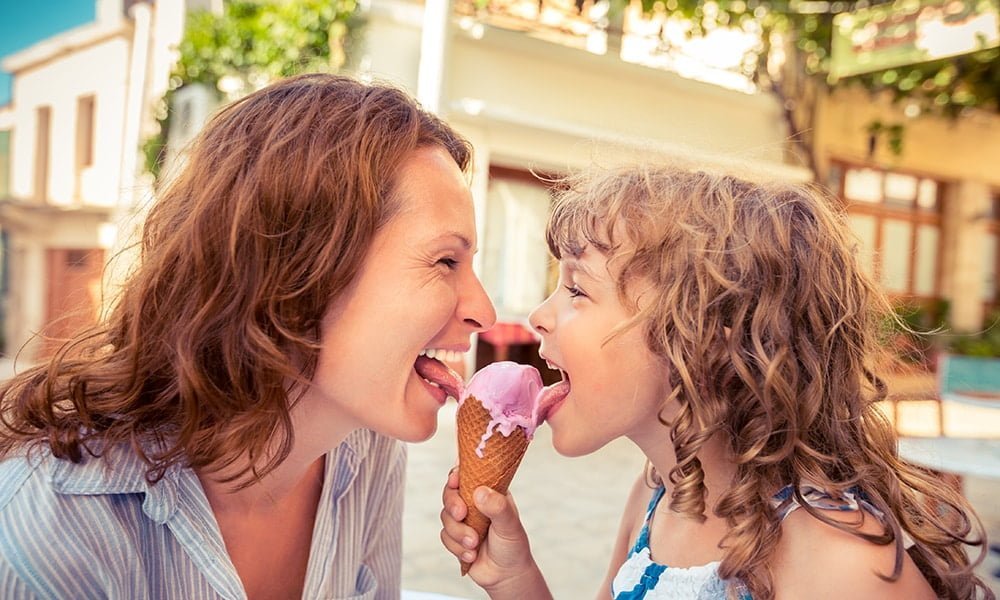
502,565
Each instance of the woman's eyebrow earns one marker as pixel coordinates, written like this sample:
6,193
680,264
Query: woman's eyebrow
452,235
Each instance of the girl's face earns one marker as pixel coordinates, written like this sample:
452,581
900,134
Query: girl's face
616,384
415,292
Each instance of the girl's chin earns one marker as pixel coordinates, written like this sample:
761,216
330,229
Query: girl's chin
572,447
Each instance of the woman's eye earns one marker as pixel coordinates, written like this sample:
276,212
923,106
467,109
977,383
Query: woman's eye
575,292
451,263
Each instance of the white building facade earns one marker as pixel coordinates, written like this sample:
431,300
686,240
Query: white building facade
529,101
71,168
532,103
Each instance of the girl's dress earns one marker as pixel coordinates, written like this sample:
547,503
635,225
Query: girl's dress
641,578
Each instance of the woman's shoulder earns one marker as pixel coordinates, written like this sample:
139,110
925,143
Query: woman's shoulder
813,557
28,476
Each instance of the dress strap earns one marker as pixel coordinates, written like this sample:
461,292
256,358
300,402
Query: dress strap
853,499
643,540
653,501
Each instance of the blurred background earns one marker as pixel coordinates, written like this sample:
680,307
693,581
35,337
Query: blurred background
891,105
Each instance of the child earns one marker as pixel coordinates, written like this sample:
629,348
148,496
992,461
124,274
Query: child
728,330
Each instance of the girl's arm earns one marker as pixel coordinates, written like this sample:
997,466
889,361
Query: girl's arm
632,519
502,565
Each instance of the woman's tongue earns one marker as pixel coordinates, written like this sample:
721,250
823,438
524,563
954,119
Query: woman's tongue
437,372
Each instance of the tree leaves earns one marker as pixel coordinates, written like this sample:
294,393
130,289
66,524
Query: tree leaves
946,86
256,41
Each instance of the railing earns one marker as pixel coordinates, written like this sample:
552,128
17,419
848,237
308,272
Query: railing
650,40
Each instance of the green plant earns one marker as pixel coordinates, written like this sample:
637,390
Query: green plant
984,343
252,43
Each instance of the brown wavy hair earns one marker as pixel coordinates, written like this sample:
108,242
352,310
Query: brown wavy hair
770,333
264,227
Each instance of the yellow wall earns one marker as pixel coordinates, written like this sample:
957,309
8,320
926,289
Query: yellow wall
964,153
967,148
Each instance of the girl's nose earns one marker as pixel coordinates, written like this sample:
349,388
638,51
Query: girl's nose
476,309
541,318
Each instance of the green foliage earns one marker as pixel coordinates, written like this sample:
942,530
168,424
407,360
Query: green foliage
944,86
983,343
252,43
918,331
894,133
261,40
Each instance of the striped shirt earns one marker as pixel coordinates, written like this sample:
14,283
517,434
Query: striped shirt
86,531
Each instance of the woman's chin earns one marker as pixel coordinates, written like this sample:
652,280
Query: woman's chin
416,430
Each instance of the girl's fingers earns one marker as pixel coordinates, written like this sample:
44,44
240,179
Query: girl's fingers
453,504
458,531
457,548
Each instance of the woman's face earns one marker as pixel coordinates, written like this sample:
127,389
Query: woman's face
616,383
414,292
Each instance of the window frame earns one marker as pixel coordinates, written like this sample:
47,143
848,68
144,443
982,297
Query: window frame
882,211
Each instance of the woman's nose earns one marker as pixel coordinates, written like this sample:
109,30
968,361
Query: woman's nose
477,309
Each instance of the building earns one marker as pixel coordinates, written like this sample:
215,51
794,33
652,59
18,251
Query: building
928,217
70,167
542,88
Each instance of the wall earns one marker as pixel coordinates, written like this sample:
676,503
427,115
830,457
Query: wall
58,84
962,153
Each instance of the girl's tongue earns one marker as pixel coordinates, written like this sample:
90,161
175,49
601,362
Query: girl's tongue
437,372
549,397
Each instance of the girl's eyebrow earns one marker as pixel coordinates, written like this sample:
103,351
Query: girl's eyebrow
576,265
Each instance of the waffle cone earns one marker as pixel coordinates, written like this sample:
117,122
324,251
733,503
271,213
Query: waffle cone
501,457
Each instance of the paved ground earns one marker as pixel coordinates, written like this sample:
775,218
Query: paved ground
571,507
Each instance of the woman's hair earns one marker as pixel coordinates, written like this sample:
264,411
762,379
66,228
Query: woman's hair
264,227
770,334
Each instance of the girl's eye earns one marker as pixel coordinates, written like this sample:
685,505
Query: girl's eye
575,292
451,263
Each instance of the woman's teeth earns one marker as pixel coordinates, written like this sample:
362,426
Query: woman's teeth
442,354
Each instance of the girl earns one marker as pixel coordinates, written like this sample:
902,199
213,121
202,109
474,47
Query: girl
728,330
232,430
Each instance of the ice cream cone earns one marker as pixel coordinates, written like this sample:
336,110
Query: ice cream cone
500,459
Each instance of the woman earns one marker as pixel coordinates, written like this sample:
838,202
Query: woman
232,429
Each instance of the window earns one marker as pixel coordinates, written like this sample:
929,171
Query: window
515,255
85,131
43,117
991,261
897,217
84,138
4,164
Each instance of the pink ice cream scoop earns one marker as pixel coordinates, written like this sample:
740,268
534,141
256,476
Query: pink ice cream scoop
514,396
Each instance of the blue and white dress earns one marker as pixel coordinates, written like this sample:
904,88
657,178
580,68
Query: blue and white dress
639,578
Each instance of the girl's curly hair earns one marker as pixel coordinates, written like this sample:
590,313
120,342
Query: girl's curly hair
770,334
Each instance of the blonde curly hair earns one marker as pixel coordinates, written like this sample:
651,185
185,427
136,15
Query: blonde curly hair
771,335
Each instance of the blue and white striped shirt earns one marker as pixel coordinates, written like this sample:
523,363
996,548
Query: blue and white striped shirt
86,531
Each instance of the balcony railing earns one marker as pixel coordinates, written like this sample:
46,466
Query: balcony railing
651,40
